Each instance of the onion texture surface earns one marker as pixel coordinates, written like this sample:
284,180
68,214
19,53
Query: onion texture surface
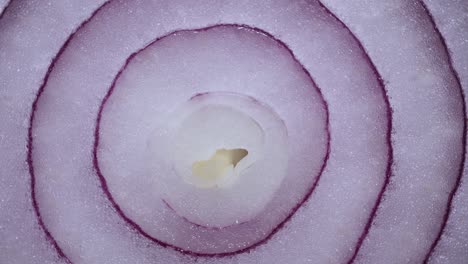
272,131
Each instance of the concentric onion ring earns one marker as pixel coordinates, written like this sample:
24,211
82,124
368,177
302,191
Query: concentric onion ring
80,222
157,52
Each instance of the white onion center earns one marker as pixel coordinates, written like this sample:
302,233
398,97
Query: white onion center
217,143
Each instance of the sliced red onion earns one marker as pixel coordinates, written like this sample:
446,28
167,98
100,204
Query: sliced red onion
345,157
429,150
30,36
168,132
230,113
452,21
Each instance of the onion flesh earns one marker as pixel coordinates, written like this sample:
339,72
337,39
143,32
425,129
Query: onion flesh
427,151
316,48
346,206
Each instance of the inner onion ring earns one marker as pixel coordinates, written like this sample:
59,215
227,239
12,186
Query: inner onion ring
270,74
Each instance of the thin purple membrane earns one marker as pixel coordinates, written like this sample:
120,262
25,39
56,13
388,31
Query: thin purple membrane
388,173
167,245
453,191
29,160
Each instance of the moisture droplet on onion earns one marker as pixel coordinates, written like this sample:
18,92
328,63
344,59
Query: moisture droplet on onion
158,131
